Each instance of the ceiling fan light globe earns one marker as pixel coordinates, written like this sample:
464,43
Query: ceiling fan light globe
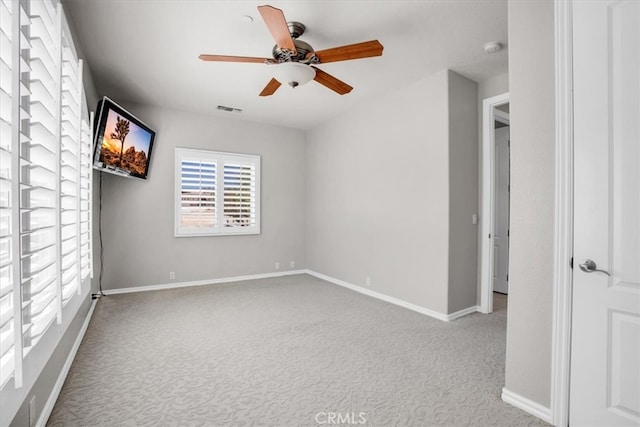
293,73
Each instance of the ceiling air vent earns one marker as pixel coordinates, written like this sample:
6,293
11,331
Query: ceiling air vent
229,109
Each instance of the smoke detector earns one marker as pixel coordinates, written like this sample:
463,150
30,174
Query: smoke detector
492,47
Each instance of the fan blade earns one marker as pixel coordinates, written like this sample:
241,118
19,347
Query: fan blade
331,82
270,88
224,58
352,51
277,24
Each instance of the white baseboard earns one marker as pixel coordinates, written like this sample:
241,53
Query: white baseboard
395,301
463,312
533,408
378,295
201,282
53,397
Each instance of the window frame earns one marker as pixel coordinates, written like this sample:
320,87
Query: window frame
219,158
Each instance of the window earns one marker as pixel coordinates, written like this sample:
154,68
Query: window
216,193
45,177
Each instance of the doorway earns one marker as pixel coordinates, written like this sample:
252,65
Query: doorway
494,234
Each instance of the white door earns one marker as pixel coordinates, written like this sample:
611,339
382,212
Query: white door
501,212
605,348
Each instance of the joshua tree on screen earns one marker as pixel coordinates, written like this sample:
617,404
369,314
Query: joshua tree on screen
122,130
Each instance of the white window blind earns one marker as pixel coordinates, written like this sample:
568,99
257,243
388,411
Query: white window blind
45,177
198,194
86,177
239,179
39,176
70,140
8,238
216,193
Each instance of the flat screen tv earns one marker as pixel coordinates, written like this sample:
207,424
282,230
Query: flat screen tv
123,142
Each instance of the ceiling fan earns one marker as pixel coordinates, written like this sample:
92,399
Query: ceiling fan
294,60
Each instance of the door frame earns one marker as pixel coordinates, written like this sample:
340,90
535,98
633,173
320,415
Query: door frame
487,207
563,213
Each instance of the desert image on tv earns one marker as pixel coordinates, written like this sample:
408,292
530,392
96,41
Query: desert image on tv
125,145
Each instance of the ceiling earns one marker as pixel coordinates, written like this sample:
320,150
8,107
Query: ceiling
146,51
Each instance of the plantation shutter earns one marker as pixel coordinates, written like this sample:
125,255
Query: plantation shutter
198,194
70,140
45,176
239,193
216,193
86,143
9,187
40,168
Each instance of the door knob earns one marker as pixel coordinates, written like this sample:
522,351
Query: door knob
589,266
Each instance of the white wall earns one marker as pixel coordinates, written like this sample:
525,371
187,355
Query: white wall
532,118
138,216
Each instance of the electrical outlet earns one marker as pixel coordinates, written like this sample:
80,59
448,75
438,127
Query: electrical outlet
172,275
277,266
368,281
292,264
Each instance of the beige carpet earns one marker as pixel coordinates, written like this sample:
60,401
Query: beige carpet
290,351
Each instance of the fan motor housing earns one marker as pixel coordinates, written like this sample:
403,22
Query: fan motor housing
303,49
285,55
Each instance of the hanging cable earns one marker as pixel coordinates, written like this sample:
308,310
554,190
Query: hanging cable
100,292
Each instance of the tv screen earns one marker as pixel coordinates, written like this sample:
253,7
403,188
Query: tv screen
123,142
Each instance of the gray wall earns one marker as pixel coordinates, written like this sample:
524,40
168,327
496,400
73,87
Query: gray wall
377,195
463,192
391,188
493,86
138,216
531,65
